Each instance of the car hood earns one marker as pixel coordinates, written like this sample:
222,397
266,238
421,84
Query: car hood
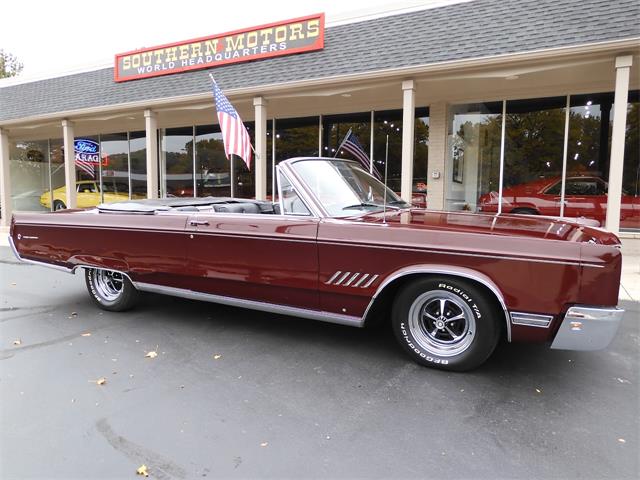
528,226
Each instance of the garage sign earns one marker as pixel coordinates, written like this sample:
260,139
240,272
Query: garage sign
284,38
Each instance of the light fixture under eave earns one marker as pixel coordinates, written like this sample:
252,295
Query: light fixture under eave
512,77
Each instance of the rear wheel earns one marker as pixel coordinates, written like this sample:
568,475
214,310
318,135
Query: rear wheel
525,211
446,322
110,290
58,205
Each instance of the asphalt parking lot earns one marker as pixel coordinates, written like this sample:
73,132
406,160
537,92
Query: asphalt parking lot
235,393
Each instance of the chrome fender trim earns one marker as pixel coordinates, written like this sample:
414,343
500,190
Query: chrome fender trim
36,262
252,304
445,270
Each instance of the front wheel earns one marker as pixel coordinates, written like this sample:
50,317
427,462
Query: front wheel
58,205
111,290
445,322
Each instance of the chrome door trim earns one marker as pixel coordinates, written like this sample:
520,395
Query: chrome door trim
445,270
252,304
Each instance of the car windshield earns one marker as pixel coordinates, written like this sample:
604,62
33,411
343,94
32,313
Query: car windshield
344,188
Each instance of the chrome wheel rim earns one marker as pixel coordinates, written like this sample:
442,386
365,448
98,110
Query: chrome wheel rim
442,323
108,284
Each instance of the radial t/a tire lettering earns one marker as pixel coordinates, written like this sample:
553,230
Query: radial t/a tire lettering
446,322
110,290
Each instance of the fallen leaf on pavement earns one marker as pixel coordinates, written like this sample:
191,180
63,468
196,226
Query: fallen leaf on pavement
152,354
142,470
17,342
100,381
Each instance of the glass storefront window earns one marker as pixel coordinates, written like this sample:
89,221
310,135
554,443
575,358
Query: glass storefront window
56,168
474,140
245,178
630,204
29,173
421,158
114,152
177,162
295,137
534,144
138,164
213,177
336,127
388,123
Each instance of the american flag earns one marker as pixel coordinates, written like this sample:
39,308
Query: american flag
234,134
86,166
352,145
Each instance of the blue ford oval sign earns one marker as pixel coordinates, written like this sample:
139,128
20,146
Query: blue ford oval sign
83,145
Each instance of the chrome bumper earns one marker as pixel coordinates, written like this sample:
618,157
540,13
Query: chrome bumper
588,328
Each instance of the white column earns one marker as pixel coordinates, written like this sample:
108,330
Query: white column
614,197
5,181
260,106
438,153
71,200
408,121
151,128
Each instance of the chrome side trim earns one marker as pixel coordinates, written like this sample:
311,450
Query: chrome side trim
445,270
36,262
531,319
253,305
464,254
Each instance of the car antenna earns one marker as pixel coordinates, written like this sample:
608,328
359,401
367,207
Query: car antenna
386,162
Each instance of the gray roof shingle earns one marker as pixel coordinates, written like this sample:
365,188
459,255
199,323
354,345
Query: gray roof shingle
460,31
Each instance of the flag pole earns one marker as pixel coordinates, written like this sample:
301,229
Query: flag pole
342,143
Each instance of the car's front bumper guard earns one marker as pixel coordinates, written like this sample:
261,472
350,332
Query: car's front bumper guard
588,328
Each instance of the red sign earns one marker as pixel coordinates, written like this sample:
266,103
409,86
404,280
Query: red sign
273,40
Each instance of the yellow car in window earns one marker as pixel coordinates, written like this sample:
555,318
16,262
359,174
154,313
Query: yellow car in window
88,194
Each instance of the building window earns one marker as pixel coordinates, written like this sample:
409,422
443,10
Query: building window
114,168
138,164
474,138
630,204
295,137
213,175
176,160
29,173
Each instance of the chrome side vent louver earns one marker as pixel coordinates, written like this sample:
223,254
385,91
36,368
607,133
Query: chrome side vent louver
531,319
352,279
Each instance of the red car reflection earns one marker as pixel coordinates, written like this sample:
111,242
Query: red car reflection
584,197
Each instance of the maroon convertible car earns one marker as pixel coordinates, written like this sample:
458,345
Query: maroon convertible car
340,247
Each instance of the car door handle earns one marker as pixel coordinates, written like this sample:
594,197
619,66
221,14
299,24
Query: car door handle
198,222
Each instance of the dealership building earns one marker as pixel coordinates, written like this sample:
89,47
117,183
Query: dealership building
489,105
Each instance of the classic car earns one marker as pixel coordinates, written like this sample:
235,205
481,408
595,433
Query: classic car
88,194
585,196
339,246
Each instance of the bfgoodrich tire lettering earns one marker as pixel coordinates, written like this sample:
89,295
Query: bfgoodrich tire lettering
446,322
110,290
